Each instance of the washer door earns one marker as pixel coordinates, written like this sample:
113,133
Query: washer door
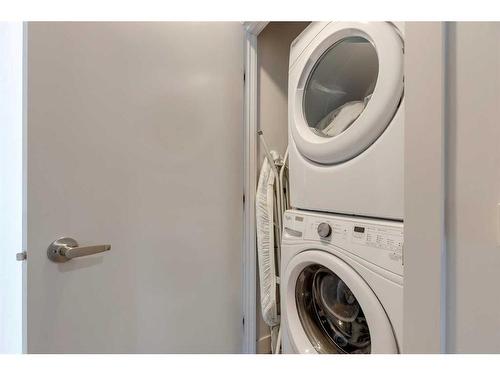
329,308
347,87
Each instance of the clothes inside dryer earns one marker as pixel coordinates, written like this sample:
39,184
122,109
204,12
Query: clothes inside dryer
330,314
340,86
340,119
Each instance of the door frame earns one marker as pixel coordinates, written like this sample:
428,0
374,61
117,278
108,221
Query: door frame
249,254
424,302
424,202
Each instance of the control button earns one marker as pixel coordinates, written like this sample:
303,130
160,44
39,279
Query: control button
293,232
324,230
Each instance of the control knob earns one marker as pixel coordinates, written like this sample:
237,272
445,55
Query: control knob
324,230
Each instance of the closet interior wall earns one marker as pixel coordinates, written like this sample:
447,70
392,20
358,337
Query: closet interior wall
273,50
473,187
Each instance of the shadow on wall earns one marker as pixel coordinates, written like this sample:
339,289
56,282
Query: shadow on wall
273,56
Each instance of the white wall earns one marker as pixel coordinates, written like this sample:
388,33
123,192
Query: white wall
11,46
473,187
452,270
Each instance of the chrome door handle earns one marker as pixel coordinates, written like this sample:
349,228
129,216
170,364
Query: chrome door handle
66,248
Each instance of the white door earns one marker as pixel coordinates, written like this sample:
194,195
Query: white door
134,138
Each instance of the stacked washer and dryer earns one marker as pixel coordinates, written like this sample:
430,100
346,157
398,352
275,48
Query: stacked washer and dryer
342,244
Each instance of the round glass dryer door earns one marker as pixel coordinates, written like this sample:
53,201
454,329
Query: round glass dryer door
345,89
329,308
340,86
331,315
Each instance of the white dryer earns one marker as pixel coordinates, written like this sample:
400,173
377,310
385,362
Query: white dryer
341,284
346,119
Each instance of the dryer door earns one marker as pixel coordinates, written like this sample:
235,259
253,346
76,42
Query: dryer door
345,89
329,308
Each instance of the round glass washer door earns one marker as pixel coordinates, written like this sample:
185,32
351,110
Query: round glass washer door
345,89
329,308
331,315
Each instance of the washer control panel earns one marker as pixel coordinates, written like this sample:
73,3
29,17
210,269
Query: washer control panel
293,225
374,240
324,230
380,237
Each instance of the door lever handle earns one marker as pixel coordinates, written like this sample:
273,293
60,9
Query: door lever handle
66,248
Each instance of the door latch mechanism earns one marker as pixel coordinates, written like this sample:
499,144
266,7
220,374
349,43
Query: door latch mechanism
21,256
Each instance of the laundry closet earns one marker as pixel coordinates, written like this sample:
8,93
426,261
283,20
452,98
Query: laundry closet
449,189
329,210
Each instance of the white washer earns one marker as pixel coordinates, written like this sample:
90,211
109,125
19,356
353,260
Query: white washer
341,284
346,119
